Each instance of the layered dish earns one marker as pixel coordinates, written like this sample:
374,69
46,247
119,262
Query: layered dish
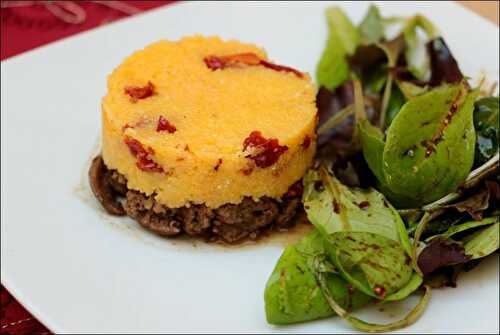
392,155
205,137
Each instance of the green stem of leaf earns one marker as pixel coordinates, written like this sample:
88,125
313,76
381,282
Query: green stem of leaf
359,103
359,110
347,276
418,232
478,174
409,211
473,179
361,325
336,119
385,101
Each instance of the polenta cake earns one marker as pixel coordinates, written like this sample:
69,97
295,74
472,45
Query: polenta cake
205,137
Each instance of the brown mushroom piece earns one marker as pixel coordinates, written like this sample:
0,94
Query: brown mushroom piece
102,189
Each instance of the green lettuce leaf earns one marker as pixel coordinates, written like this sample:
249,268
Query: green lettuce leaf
343,38
372,142
375,79
486,123
371,29
411,90
429,148
337,208
464,226
392,49
292,294
367,240
374,264
483,242
396,101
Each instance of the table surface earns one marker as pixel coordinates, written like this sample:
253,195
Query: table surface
27,28
487,9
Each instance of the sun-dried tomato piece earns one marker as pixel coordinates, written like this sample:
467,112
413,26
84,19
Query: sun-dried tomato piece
136,148
144,162
295,190
281,68
220,62
165,125
137,92
306,142
253,140
247,58
267,151
214,62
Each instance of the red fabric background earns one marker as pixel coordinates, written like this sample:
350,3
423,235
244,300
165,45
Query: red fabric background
22,29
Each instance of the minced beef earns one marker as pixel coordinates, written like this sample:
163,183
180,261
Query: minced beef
230,223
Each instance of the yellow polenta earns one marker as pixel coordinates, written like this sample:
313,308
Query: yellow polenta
213,112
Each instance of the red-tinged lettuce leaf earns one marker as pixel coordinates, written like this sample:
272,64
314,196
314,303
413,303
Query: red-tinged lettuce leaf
353,171
401,73
444,67
441,252
332,103
329,103
494,190
445,276
474,205
366,57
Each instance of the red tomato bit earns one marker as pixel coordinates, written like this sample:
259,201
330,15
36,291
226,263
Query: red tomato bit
282,68
267,151
144,162
247,58
137,92
307,142
295,190
164,125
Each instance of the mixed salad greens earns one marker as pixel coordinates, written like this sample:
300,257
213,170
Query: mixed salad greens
405,191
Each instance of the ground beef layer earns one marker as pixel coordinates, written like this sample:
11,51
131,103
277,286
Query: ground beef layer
229,223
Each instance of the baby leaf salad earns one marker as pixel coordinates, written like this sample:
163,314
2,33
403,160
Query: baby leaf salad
405,192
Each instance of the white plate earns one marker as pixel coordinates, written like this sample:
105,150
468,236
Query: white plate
78,270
